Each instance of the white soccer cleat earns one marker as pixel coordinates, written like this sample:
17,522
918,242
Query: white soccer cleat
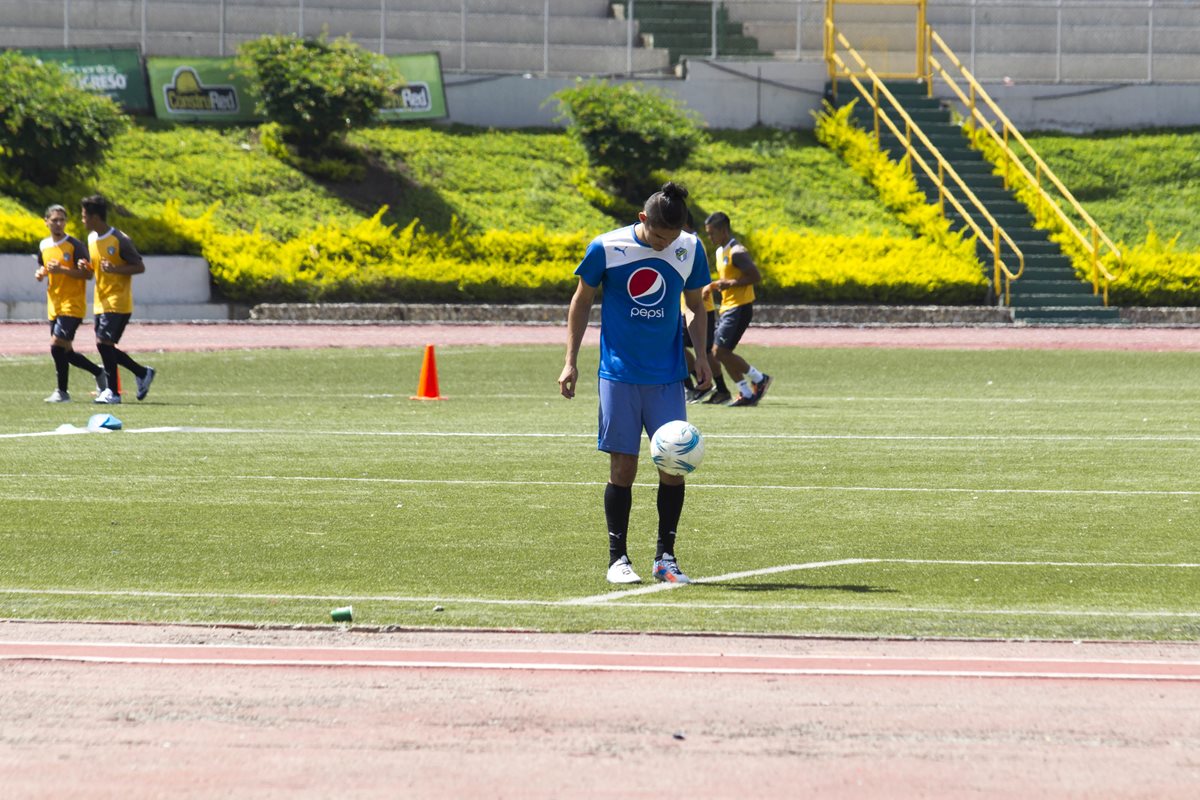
622,572
59,396
107,398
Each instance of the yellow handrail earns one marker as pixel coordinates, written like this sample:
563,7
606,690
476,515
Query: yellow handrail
1091,244
1001,271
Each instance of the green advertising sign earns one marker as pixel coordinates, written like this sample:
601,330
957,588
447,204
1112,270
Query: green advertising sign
423,95
116,72
200,90
213,90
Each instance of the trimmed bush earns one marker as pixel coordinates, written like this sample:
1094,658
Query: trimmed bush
629,133
48,125
316,90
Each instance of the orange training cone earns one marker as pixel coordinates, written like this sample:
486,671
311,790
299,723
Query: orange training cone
427,387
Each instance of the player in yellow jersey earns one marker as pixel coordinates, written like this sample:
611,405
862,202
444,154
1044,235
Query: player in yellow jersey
717,392
736,276
63,264
115,261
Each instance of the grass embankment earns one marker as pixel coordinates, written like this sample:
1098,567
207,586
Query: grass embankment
468,209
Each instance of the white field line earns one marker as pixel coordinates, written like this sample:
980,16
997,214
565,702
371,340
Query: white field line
605,600
695,486
798,437
660,587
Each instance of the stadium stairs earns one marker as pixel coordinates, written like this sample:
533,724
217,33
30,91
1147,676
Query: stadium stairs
1048,291
684,28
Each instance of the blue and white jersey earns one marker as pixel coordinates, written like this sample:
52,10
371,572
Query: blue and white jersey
641,331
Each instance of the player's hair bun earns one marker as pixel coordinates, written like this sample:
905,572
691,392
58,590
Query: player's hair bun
673,191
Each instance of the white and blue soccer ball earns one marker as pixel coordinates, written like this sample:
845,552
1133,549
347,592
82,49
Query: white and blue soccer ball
677,448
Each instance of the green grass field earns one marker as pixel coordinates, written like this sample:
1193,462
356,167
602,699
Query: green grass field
875,492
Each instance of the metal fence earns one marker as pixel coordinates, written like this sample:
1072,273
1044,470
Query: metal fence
1045,40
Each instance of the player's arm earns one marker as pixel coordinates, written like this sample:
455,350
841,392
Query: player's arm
697,325
82,269
750,274
577,322
134,264
40,272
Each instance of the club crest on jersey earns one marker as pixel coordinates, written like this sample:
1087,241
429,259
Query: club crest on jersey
681,254
111,249
647,288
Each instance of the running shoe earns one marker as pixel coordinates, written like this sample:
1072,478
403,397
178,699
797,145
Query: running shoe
59,396
666,569
143,383
760,388
717,398
622,572
742,400
694,396
107,398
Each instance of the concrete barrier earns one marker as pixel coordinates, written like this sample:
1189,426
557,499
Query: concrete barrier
171,288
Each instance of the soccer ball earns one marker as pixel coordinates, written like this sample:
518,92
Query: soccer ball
677,448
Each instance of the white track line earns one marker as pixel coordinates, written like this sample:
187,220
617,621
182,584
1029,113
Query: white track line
601,667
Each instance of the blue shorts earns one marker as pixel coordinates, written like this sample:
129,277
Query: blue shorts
111,326
64,327
628,409
732,325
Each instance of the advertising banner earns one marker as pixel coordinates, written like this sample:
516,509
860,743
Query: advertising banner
200,89
424,94
116,72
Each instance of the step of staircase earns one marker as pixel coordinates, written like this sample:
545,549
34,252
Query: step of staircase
1066,315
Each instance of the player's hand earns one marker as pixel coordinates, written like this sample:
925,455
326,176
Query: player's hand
704,374
106,265
39,274
566,381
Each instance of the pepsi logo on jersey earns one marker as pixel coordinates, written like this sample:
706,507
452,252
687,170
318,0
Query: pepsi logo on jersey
647,288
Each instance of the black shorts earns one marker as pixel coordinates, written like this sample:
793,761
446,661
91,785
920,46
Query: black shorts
110,327
64,327
732,325
710,323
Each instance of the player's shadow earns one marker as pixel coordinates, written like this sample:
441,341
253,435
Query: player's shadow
855,588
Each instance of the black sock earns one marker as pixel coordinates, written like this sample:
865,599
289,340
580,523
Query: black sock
108,355
83,362
721,387
670,507
59,354
618,500
128,363
688,383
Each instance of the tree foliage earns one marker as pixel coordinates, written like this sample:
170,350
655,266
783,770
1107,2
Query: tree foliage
317,90
628,132
48,125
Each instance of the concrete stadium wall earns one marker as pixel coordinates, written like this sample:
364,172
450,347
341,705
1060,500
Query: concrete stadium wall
742,94
171,288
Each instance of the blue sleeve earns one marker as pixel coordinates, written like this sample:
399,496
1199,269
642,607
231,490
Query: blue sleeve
591,269
81,250
699,277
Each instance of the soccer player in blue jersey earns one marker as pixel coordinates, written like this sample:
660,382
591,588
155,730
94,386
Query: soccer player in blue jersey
643,269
